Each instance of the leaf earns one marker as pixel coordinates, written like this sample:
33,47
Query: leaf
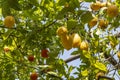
62,2
79,12
86,54
5,9
96,43
90,0
84,73
44,66
0,11
100,66
75,52
71,24
119,71
53,74
70,69
113,39
61,14
74,3
8,56
14,4
7,34
86,17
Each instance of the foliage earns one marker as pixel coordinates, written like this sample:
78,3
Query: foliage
36,23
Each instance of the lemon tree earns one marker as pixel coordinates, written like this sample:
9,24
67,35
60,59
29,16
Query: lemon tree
34,33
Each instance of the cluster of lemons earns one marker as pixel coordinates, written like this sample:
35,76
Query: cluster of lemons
71,40
110,9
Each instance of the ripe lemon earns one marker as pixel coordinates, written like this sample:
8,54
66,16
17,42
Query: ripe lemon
95,6
76,40
112,11
103,23
62,31
84,45
66,42
93,22
9,21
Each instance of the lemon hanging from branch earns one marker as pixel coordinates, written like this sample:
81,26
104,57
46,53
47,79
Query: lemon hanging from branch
9,21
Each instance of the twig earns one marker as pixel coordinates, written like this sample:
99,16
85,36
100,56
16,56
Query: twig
72,58
104,77
48,25
51,23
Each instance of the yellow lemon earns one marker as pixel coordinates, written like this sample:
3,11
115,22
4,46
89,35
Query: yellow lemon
9,21
93,22
112,11
103,23
84,45
66,42
95,6
62,31
76,40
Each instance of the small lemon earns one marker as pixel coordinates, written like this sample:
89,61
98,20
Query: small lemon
103,23
93,22
62,31
76,40
66,42
9,21
84,45
95,6
112,11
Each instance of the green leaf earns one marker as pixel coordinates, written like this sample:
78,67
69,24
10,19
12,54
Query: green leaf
75,52
61,14
86,54
0,12
100,66
70,69
71,24
86,17
79,12
14,4
8,56
53,74
84,73
96,43
7,34
119,71
62,2
44,66
5,9
90,0
74,4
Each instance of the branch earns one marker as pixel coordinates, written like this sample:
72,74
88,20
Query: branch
112,60
51,23
104,77
2,26
117,35
72,58
48,25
